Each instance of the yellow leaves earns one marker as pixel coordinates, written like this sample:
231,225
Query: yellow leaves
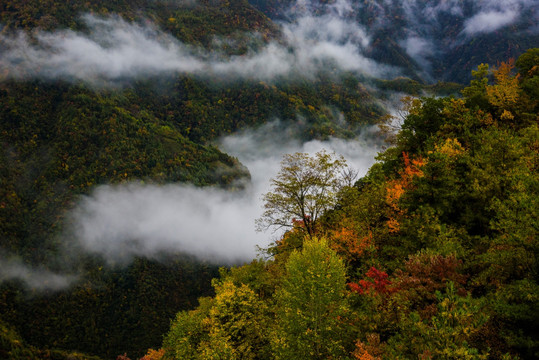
485,118
411,105
451,147
507,115
454,107
505,93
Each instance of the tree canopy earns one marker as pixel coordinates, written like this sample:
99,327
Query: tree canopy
437,244
303,190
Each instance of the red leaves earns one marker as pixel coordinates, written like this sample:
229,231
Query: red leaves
377,283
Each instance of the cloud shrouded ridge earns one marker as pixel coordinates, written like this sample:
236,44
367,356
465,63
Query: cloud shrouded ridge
114,48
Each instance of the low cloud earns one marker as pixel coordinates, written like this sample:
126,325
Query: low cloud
36,278
119,222
493,15
421,13
428,30
419,49
316,37
486,22
114,49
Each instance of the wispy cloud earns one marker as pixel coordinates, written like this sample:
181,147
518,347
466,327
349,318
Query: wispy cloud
486,22
419,49
34,278
115,49
316,37
429,30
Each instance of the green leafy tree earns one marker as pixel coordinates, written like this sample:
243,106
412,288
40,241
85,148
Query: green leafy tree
446,335
238,319
310,305
188,330
476,93
303,190
233,325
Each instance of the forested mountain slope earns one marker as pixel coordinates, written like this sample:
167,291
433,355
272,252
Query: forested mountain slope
69,124
96,93
432,40
432,255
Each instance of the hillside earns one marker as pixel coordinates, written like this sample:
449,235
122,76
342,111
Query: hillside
68,126
137,96
430,40
431,255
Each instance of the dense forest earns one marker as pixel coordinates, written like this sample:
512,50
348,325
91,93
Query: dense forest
63,137
431,254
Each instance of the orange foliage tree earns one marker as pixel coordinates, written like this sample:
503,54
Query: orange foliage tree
396,188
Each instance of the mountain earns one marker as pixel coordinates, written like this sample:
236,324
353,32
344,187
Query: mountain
71,121
432,254
105,102
431,40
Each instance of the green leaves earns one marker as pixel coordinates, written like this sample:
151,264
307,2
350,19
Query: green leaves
311,305
445,335
303,190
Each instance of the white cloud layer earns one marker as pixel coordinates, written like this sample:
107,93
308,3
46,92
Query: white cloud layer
419,49
318,36
119,222
114,49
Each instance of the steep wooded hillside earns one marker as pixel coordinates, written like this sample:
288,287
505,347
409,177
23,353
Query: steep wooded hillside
431,40
432,255
96,93
62,136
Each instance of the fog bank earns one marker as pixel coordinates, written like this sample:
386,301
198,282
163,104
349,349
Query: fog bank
122,221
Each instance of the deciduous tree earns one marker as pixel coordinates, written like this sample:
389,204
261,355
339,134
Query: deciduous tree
303,190
310,305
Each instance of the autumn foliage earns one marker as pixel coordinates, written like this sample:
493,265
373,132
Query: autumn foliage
377,282
439,238
349,243
396,188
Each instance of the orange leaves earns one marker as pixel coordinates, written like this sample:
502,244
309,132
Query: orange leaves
393,225
361,352
396,188
412,167
154,354
394,192
347,241
372,349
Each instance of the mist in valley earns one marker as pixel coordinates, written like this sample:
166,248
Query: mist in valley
119,222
